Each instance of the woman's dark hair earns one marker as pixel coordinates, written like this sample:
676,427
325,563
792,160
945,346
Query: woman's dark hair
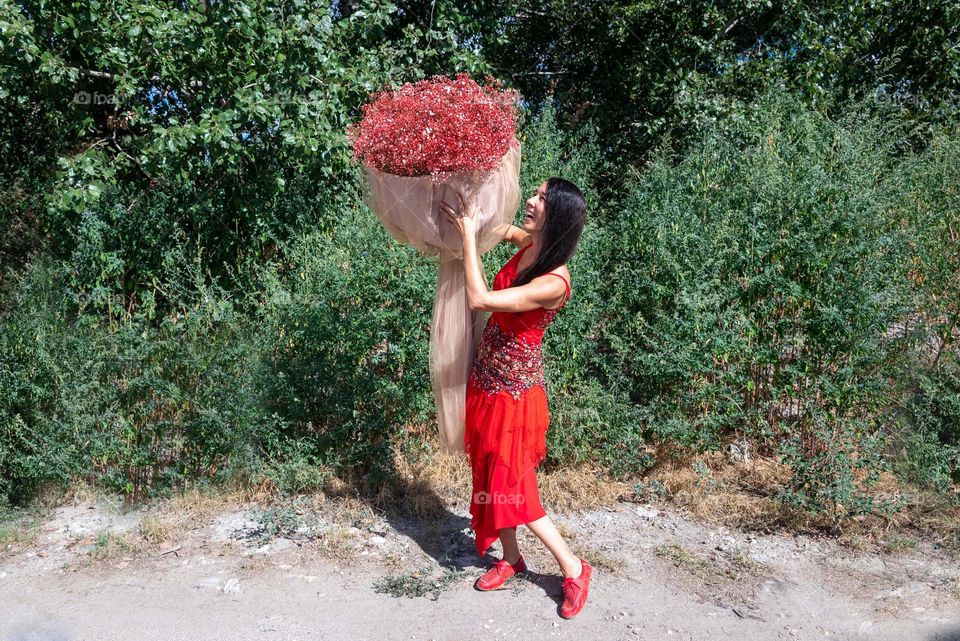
566,212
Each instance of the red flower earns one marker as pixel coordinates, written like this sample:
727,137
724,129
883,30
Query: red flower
436,126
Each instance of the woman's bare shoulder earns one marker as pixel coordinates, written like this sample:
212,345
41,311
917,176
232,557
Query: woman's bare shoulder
562,271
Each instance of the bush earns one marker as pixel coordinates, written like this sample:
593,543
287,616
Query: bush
344,337
752,286
135,406
930,436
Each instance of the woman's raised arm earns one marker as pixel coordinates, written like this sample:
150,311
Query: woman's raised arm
516,236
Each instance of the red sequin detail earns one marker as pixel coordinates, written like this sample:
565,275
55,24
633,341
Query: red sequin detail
507,362
509,356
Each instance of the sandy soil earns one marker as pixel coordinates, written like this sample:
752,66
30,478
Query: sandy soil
248,572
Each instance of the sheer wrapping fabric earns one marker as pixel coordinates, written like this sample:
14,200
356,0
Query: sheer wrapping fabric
409,209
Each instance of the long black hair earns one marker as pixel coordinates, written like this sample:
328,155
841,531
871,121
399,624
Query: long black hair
566,212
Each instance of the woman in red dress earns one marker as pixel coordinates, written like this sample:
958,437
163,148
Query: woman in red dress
506,401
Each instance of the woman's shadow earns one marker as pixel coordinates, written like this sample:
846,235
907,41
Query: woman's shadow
424,517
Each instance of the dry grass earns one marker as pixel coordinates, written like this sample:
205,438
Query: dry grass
741,495
172,520
228,548
721,569
78,492
337,543
580,488
109,546
682,558
393,560
600,559
155,528
253,565
565,530
18,533
733,494
431,484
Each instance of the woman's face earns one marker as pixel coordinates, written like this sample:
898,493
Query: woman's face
536,211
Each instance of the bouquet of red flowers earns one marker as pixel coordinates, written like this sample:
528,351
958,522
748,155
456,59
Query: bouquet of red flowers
437,127
419,145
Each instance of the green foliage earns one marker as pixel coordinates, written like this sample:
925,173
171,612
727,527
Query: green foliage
211,135
345,339
649,491
931,441
931,431
753,285
134,406
418,583
647,70
298,471
192,289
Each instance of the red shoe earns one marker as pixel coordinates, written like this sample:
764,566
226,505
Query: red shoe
499,573
575,591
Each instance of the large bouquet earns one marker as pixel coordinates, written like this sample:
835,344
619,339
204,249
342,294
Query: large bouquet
419,145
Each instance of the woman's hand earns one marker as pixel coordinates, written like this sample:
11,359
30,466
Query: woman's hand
463,217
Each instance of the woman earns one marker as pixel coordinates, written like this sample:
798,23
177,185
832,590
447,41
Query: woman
506,413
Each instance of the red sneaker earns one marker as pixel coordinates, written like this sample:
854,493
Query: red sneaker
499,573
575,591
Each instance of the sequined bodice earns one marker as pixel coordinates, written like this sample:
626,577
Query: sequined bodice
509,356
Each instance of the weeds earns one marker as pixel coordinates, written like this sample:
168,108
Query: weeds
417,583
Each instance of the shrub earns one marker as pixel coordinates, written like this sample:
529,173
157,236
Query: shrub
752,284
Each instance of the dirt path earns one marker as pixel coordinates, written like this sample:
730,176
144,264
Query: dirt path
658,576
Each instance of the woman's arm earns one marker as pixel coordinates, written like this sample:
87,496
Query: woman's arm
542,291
512,234
517,236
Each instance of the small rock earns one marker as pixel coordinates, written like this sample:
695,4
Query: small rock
207,582
232,586
269,623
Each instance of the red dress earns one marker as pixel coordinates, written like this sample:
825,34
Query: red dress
507,417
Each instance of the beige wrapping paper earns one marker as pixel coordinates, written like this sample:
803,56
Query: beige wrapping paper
409,208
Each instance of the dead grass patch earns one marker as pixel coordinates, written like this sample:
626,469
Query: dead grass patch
715,490
600,559
580,488
253,564
337,543
171,520
112,546
719,569
18,532
431,483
